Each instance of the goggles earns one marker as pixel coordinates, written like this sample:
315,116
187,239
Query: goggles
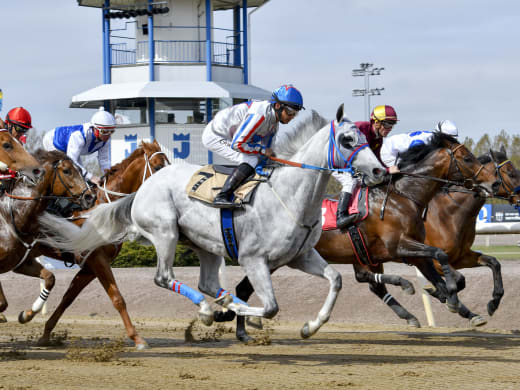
20,129
290,111
387,124
106,131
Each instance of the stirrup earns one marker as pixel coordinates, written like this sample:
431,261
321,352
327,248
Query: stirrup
346,221
223,203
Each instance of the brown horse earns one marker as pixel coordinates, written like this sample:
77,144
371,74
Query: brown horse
14,157
124,178
450,224
20,206
402,233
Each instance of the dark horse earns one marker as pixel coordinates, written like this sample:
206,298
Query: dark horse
20,205
450,224
401,234
121,179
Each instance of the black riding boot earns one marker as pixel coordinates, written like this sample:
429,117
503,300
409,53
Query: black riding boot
343,219
242,172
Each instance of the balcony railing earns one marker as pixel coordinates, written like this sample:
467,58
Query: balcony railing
227,54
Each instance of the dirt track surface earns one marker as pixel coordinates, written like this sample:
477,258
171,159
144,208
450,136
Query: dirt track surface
364,346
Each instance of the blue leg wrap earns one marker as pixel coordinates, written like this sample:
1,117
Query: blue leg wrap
235,299
183,289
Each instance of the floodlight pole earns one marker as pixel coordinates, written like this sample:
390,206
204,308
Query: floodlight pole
366,70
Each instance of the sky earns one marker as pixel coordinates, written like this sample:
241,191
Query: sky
456,59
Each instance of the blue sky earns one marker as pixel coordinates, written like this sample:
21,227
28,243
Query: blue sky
453,60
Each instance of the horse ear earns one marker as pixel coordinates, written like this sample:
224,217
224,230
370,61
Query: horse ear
339,114
492,154
503,150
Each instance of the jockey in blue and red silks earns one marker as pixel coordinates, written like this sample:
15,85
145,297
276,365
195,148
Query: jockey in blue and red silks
243,132
382,120
18,122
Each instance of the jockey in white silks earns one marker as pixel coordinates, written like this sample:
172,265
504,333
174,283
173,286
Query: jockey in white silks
85,139
243,132
399,143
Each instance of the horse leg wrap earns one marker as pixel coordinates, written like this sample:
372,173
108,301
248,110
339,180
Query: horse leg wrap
183,289
38,304
235,299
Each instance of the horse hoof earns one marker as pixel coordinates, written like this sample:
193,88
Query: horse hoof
477,321
22,319
224,316
244,337
224,300
413,322
2,318
492,307
142,346
305,333
206,319
255,322
43,342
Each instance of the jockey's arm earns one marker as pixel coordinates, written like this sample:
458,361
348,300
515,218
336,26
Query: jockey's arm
244,140
76,143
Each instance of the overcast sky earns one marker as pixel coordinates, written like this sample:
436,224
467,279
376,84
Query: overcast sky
456,59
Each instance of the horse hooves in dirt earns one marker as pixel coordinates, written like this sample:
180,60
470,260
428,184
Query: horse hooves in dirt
477,321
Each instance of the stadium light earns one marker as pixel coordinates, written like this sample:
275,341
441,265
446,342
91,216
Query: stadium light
366,70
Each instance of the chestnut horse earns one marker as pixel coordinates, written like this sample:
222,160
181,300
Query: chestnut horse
450,224
20,205
123,178
402,233
14,157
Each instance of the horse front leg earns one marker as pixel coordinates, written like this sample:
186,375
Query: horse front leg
312,263
409,248
31,267
498,285
377,286
3,305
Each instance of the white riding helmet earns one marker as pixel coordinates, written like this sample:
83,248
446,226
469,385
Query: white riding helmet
103,119
447,127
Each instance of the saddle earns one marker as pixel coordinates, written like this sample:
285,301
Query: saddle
358,209
206,183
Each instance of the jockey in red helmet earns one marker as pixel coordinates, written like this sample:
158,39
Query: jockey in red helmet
382,120
18,121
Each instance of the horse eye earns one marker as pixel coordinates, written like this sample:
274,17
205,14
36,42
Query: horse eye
511,174
468,158
7,145
66,171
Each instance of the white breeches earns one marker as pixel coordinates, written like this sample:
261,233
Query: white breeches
222,147
348,183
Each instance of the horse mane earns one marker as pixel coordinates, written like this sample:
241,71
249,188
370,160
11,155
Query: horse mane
52,156
419,152
287,143
137,153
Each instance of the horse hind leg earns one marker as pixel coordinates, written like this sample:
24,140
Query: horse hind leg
498,285
377,286
31,267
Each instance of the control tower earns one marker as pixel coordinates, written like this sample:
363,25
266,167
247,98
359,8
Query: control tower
167,70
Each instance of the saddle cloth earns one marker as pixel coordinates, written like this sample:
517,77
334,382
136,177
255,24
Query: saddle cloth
358,205
206,183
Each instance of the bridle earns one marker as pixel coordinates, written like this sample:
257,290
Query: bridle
512,191
147,169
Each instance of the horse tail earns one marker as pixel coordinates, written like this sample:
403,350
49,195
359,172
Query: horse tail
108,223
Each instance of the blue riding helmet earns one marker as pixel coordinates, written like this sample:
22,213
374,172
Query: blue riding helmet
289,96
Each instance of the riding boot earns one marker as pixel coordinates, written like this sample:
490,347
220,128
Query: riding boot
242,172
343,219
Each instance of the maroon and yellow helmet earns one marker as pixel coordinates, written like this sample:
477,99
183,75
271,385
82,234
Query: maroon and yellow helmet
383,113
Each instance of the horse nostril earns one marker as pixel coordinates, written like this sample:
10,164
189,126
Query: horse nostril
377,172
495,186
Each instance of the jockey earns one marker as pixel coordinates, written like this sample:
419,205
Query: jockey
382,120
244,131
401,142
18,122
85,139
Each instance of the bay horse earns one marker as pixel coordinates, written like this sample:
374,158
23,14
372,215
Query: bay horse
279,227
123,178
401,233
451,224
20,205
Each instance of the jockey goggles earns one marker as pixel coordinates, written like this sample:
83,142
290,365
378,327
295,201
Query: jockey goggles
290,110
20,129
388,124
106,130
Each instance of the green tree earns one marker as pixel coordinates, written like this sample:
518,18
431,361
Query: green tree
483,145
502,139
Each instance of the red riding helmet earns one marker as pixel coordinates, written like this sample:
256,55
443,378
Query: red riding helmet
19,116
